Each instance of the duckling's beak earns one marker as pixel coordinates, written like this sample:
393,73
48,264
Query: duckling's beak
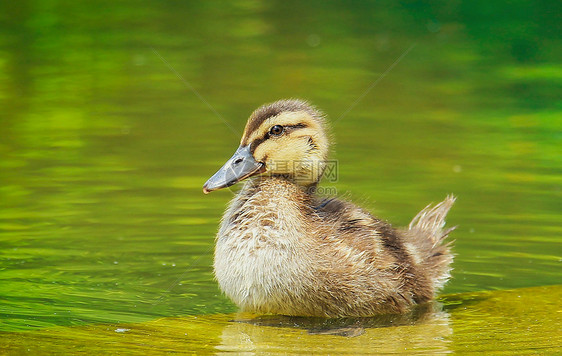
240,166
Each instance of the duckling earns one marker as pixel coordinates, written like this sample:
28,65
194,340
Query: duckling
282,249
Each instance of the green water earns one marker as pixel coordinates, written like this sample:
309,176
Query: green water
115,114
501,322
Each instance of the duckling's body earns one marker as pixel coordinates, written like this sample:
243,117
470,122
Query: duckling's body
281,249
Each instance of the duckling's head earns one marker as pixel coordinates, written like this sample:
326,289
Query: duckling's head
286,138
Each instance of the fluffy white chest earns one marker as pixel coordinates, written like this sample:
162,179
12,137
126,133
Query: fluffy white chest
259,256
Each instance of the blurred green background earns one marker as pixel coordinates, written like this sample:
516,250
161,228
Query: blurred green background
113,116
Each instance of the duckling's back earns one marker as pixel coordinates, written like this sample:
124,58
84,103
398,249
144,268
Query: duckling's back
412,263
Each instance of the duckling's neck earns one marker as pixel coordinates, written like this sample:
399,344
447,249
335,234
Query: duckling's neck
277,191
267,203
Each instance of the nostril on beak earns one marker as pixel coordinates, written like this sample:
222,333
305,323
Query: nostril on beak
239,160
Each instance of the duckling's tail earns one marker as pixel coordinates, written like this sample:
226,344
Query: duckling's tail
426,229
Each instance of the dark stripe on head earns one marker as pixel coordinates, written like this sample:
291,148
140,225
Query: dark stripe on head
288,129
273,109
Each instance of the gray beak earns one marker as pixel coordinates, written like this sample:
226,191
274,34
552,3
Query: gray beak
240,166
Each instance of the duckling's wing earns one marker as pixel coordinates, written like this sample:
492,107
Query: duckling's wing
350,225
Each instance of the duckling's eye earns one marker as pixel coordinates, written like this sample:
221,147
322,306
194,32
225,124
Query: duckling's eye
276,130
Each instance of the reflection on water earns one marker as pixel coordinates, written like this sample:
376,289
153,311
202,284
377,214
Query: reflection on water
428,333
103,150
345,326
